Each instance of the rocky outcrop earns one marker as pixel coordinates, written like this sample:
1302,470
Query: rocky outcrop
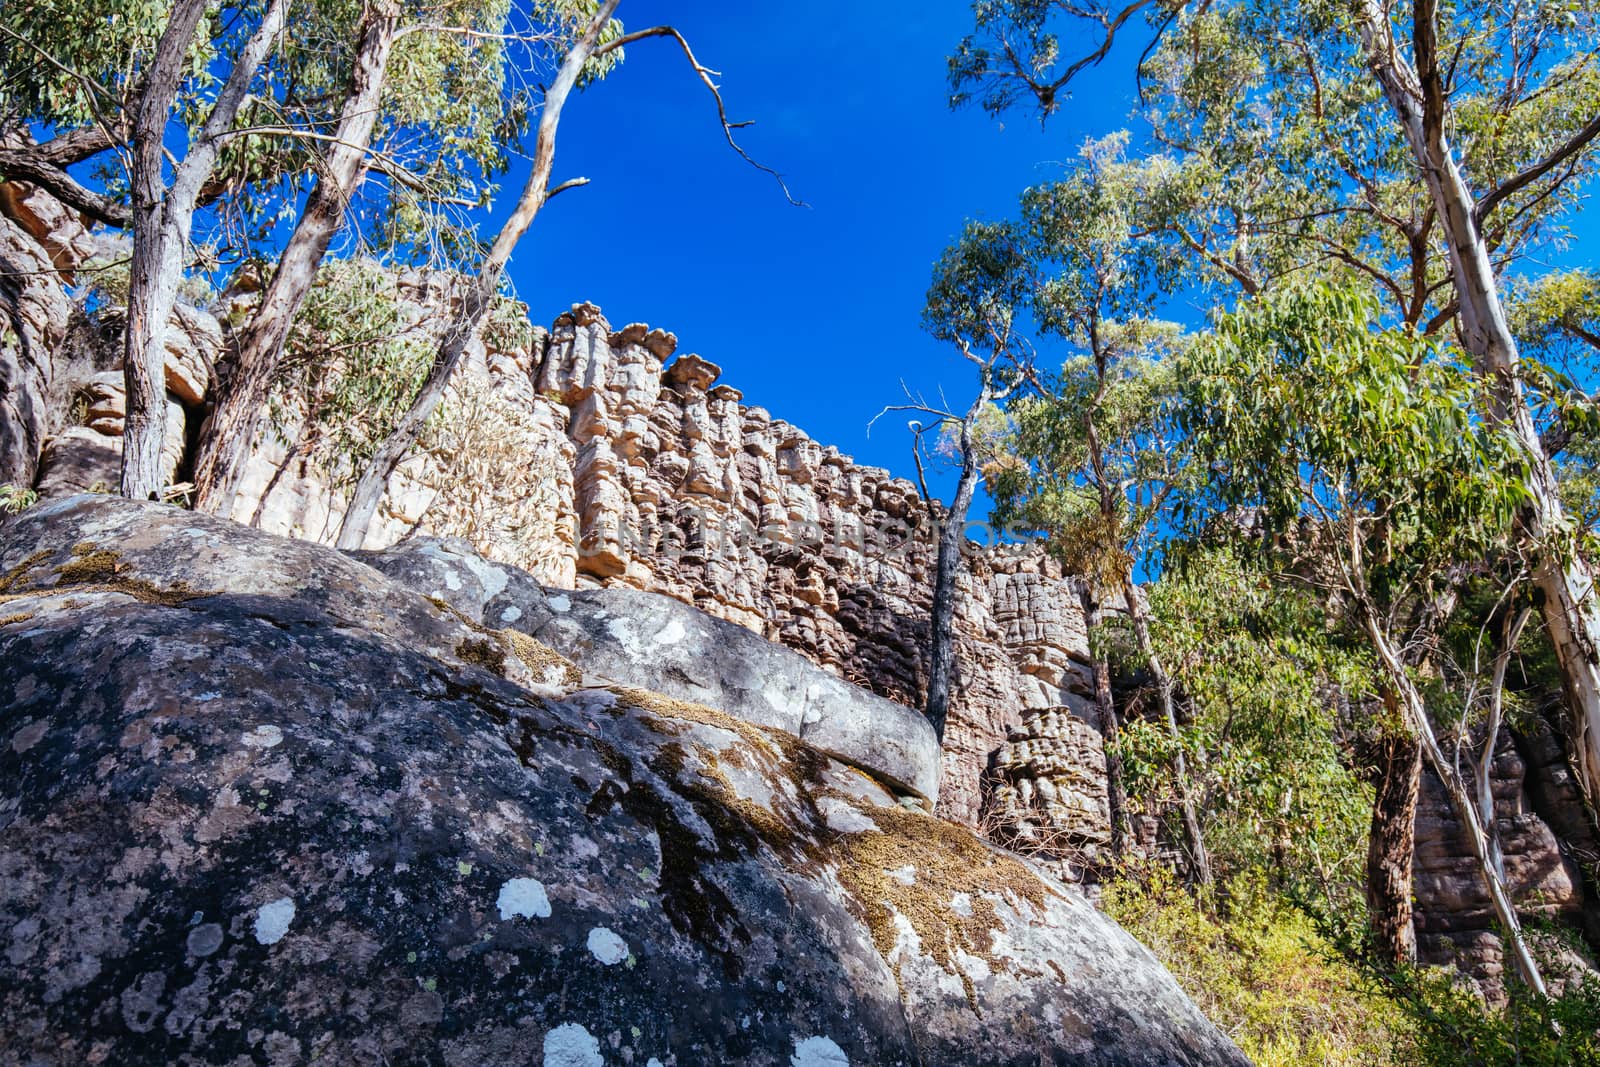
1533,789
655,642
662,479
263,804
1049,797
592,457
34,315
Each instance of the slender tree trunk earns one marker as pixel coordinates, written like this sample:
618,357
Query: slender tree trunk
1391,847
162,217
941,637
375,477
1568,604
1110,727
1199,861
1460,798
1497,682
225,438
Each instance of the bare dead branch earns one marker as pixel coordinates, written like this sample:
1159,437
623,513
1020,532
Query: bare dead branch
706,74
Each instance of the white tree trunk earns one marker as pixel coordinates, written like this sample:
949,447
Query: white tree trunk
162,219
1460,799
375,477
1571,613
225,439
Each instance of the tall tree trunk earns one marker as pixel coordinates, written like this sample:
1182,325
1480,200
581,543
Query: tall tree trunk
375,477
941,630
1391,847
1461,800
1110,726
225,438
1568,603
1199,861
162,218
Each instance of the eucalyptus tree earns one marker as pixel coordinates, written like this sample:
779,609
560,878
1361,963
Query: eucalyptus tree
1359,446
1422,149
517,45
1099,456
276,125
975,303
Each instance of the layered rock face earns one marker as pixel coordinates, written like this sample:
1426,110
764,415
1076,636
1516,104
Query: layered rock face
34,316
662,479
262,804
1538,807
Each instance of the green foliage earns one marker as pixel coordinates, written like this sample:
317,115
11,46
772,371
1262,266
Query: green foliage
980,285
1270,151
1260,970
1260,671
1453,1028
1055,484
462,89
354,360
1359,441
16,499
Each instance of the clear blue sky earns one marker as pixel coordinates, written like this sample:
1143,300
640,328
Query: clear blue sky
812,312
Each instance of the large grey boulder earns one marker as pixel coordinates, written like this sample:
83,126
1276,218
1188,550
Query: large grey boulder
262,805
659,643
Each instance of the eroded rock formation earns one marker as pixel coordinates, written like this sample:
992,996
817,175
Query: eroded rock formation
662,479
1535,796
263,804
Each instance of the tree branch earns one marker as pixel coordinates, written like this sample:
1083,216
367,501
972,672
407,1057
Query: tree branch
1575,144
705,74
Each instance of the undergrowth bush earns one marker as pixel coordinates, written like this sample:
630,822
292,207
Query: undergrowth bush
1261,971
1454,1029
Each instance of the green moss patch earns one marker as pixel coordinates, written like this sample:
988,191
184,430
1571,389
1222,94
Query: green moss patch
92,569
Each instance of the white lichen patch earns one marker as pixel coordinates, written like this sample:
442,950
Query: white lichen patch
844,817
273,919
672,632
818,1052
570,1045
523,898
606,946
560,602
264,736
511,614
906,875
961,904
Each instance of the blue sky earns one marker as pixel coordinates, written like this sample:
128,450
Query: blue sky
812,312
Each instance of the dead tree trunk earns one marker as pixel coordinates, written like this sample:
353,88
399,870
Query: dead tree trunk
952,535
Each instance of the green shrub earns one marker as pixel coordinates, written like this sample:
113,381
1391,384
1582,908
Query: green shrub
1260,970
1453,1028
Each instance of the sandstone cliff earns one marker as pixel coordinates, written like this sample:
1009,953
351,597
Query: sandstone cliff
625,465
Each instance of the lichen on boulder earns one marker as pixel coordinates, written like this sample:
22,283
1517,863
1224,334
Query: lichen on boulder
274,815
